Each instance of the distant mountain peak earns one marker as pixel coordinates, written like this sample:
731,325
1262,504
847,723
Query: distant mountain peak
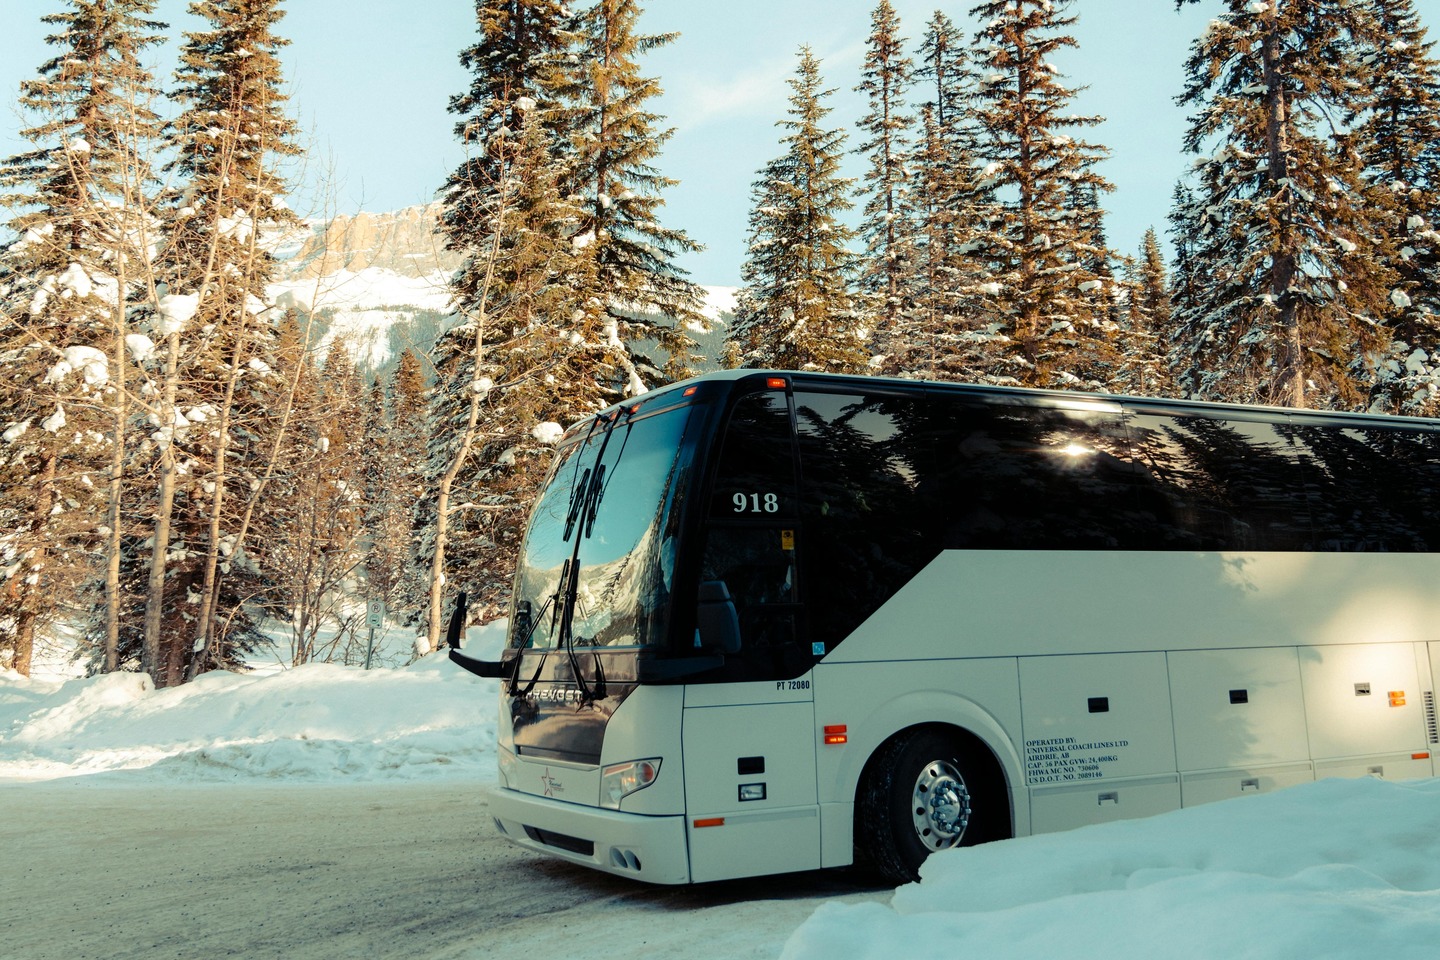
402,241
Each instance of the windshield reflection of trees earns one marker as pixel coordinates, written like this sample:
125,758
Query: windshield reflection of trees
627,544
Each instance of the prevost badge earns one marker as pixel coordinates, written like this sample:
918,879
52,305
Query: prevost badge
557,694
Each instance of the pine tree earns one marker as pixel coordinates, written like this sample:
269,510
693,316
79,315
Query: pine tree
1398,138
646,294
1145,328
797,309
938,334
394,477
1039,238
518,65
64,287
216,428
316,550
1282,278
521,243
530,350
887,275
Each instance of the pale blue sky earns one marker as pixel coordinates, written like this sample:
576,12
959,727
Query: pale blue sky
370,80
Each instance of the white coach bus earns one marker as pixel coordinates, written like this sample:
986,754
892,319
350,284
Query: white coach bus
767,622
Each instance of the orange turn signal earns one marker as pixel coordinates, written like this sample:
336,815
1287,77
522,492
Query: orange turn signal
837,733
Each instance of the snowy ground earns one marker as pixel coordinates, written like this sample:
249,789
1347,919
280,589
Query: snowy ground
1335,869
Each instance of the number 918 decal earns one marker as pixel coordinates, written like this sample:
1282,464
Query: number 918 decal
756,502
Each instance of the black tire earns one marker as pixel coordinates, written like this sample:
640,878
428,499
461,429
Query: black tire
923,791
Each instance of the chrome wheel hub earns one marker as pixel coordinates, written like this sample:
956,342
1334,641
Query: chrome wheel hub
940,805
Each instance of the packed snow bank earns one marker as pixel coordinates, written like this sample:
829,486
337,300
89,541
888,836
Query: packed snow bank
1339,868
313,723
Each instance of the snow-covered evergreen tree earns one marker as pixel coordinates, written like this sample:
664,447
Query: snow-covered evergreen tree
64,285
937,333
1142,342
518,64
525,278
797,308
395,483
1397,134
646,294
215,391
887,275
530,349
1282,279
1039,237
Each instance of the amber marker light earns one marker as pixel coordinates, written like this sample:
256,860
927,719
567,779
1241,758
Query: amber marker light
710,822
837,733
776,383
1419,756
689,391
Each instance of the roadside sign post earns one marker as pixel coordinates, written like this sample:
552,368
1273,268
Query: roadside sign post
374,617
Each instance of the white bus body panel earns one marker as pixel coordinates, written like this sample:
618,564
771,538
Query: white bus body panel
1165,637
1221,675
1063,808
1006,603
750,779
875,700
1093,718
1362,700
1238,708
645,848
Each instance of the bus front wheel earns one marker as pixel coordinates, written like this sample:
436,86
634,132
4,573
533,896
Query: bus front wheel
924,791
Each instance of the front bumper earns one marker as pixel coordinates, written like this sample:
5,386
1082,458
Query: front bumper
652,849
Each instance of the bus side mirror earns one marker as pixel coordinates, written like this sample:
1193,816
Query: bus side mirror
493,669
457,624
715,618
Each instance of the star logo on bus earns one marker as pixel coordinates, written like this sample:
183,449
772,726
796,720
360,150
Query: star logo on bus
551,785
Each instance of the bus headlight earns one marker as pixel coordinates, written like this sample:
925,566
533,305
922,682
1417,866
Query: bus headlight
619,780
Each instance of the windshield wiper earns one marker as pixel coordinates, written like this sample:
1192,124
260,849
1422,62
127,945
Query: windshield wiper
571,586
579,498
523,645
585,500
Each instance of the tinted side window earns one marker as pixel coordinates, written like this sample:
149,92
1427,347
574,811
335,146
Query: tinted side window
1372,488
1014,476
867,520
1213,484
755,479
750,545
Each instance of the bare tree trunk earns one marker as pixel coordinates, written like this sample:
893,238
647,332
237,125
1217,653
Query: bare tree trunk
204,641
150,660
27,613
111,653
467,442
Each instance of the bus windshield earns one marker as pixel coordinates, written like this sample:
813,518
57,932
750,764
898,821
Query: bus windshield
609,516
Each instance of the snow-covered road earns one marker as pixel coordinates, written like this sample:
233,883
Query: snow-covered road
103,867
